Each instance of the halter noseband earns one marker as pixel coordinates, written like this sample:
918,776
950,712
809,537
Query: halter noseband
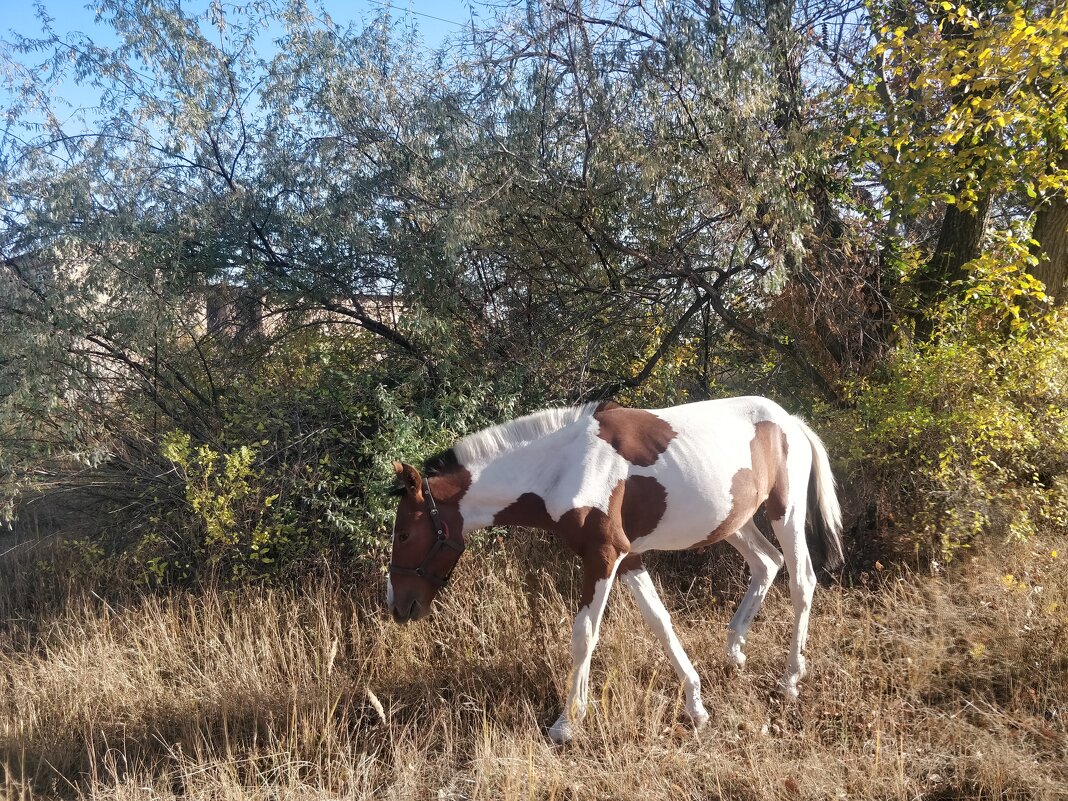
441,530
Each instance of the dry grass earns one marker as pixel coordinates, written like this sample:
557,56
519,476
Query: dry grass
920,687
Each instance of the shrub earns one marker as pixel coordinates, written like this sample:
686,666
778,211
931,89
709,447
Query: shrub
966,436
300,465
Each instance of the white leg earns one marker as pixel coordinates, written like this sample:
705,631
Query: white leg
764,561
791,535
584,637
656,617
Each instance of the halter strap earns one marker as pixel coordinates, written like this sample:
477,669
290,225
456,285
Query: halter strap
441,529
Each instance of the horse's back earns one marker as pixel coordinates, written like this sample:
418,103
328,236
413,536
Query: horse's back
701,415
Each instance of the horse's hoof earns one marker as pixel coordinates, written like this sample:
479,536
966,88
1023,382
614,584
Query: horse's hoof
699,717
788,686
562,731
735,654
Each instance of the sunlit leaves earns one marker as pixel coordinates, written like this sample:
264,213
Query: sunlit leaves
971,100
968,433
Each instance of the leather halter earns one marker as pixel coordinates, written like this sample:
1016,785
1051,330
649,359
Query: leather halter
441,530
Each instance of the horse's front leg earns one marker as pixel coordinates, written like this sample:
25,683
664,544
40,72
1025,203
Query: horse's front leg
598,572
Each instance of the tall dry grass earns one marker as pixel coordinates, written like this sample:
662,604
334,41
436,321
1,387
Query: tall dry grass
938,687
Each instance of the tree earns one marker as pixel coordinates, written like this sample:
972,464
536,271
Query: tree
644,153
206,163
969,106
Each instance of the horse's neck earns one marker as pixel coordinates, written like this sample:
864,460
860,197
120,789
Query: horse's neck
503,491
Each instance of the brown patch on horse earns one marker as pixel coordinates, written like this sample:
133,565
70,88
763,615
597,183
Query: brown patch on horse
594,536
606,405
448,490
636,435
526,510
450,487
765,482
744,502
635,507
631,563
597,538
597,564
770,441
637,503
644,501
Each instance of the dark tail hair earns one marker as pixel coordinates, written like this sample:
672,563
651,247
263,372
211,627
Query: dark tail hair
823,534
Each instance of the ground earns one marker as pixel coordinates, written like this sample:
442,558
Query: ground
940,683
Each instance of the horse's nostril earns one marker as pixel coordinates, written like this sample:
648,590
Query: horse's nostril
405,613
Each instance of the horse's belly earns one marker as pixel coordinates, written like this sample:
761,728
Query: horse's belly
694,508
682,528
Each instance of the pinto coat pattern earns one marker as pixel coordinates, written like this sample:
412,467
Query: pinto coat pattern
613,482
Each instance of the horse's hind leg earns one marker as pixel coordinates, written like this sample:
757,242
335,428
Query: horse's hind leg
638,581
764,561
790,531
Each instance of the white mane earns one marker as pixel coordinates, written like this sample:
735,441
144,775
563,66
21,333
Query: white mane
483,446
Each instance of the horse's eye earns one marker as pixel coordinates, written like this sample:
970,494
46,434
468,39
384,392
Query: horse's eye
403,536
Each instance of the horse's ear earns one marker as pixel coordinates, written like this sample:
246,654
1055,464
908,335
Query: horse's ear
409,480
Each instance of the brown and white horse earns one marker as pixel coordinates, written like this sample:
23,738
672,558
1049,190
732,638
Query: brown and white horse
614,482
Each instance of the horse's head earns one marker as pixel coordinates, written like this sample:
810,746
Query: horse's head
427,544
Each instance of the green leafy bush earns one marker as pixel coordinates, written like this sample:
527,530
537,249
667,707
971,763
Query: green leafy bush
299,467
964,437
232,516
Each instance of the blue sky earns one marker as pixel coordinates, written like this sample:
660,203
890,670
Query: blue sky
435,20
434,17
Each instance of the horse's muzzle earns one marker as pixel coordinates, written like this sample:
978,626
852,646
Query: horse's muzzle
406,612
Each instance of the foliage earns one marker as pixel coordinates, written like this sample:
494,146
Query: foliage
299,469
233,519
965,437
975,99
661,202
959,115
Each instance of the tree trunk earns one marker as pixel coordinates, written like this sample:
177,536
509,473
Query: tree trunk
959,242
1051,233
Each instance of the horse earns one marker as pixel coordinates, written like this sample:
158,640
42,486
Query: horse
613,482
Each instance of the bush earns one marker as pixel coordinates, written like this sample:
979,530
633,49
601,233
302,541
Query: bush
964,437
300,465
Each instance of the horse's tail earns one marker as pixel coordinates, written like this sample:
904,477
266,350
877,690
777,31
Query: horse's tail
824,532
